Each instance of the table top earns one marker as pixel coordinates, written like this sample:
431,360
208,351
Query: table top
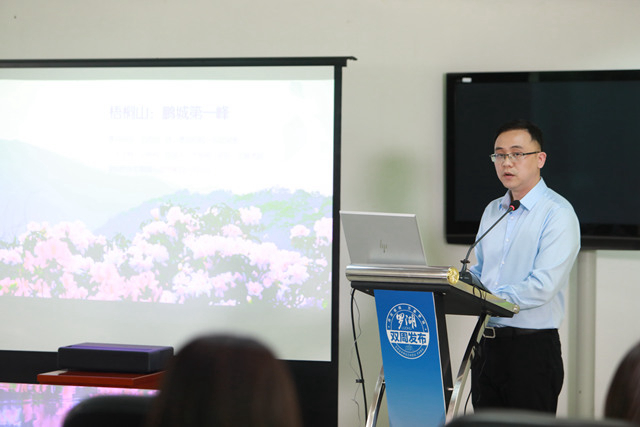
102,379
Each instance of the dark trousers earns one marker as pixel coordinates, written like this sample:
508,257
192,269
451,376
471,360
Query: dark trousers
519,369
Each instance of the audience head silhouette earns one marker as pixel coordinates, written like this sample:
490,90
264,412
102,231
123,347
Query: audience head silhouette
224,381
623,398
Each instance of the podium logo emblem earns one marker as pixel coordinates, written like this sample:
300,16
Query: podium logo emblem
407,331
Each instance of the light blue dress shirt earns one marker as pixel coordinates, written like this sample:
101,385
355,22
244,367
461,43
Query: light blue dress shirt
527,258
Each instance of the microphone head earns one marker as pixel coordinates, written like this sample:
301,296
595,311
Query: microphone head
515,205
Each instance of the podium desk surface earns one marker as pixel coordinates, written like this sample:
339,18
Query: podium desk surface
458,297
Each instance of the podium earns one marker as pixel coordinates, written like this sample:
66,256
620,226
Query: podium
411,304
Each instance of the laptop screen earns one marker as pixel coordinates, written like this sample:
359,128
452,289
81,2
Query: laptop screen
383,238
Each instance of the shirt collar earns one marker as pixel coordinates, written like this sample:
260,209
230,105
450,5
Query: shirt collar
530,199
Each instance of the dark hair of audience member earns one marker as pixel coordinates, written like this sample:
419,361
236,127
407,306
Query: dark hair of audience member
224,381
623,397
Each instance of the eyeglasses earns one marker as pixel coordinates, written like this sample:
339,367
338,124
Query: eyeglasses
514,157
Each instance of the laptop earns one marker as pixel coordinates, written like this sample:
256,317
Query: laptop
383,238
375,238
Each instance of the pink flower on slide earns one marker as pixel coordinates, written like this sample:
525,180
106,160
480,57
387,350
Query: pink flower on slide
236,246
324,231
159,227
155,213
261,255
108,278
321,262
10,257
77,233
250,216
254,288
52,249
71,288
175,215
4,285
42,289
23,287
29,262
204,246
222,282
299,231
288,267
144,254
231,230
297,273
137,284
193,284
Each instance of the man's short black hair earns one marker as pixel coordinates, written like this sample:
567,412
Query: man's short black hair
521,124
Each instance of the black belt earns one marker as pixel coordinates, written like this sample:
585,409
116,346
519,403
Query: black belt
511,332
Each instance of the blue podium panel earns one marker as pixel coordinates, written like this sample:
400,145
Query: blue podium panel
411,358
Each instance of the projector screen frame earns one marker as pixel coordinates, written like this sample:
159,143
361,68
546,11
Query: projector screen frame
317,380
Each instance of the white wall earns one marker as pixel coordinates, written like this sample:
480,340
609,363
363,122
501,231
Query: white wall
393,102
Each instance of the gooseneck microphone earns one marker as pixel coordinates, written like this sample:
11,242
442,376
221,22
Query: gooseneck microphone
512,207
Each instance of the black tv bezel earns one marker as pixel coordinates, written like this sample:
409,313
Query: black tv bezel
317,381
594,236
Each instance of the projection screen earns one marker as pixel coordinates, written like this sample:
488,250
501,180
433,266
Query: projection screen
149,201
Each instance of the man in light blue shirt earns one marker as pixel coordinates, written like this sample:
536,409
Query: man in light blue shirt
526,259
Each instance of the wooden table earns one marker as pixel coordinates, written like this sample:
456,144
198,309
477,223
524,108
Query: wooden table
150,381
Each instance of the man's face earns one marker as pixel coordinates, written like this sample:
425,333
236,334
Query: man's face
519,176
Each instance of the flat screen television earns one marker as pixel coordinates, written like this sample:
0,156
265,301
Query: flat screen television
592,140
